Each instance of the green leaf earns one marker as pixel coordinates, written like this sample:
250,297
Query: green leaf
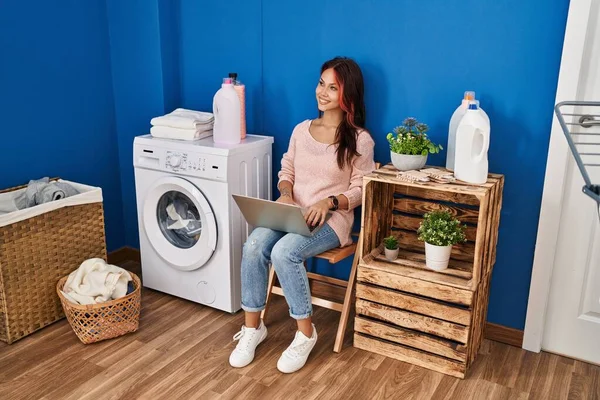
390,243
411,142
441,229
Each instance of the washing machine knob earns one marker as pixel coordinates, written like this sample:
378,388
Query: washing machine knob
175,161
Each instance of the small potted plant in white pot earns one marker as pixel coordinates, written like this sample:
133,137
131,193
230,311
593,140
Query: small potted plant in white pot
391,248
440,231
410,146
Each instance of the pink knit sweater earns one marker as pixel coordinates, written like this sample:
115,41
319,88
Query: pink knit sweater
312,168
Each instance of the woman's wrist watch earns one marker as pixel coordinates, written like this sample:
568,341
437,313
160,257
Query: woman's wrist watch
335,202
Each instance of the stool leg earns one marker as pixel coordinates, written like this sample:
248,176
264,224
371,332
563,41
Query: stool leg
339,338
263,314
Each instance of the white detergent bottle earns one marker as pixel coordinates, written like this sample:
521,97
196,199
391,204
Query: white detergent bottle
226,110
454,121
472,144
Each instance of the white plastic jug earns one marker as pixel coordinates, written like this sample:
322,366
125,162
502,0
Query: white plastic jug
226,110
472,144
458,114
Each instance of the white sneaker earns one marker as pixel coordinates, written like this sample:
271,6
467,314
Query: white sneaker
249,338
295,356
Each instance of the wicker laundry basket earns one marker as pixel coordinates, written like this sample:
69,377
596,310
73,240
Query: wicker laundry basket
95,322
36,252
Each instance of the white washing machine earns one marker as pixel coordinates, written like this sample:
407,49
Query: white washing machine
191,230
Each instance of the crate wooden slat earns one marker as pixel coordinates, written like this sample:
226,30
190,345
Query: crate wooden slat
461,195
405,310
479,314
455,276
411,223
418,322
482,238
410,355
421,287
419,305
431,344
410,241
495,223
417,260
456,193
419,207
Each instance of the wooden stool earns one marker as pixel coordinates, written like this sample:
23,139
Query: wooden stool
333,256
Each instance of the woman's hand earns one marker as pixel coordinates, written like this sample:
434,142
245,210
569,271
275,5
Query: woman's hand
315,216
286,200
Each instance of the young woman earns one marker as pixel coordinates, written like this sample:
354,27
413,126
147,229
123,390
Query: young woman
322,172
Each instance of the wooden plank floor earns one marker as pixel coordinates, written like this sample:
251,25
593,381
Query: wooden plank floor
181,352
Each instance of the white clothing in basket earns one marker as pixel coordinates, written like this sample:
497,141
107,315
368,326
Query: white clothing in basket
95,281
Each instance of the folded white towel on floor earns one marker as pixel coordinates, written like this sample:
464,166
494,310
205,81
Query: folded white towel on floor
95,281
166,132
184,119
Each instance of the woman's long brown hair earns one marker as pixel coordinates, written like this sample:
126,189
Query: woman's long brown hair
349,79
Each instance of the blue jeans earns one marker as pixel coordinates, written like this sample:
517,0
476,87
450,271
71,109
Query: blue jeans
287,252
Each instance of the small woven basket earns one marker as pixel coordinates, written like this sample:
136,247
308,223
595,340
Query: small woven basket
95,322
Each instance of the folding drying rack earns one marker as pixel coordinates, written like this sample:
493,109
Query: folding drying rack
582,131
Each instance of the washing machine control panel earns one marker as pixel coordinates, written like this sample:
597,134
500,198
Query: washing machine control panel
195,164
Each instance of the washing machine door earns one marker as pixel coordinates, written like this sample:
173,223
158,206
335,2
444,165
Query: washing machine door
180,223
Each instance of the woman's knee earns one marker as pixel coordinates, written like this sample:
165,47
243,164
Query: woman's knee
283,256
255,246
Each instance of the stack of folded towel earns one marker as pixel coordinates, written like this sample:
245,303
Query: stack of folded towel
183,124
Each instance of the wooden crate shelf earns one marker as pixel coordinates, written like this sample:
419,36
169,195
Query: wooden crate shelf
405,310
412,264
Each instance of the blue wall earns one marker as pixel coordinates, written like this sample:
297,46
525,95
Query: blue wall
164,55
418,58
219,37
144,63
56,99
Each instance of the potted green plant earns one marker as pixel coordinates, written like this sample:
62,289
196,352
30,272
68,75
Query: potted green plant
391,247
410,146
440,231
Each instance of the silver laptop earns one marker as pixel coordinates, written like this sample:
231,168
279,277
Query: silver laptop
277,216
